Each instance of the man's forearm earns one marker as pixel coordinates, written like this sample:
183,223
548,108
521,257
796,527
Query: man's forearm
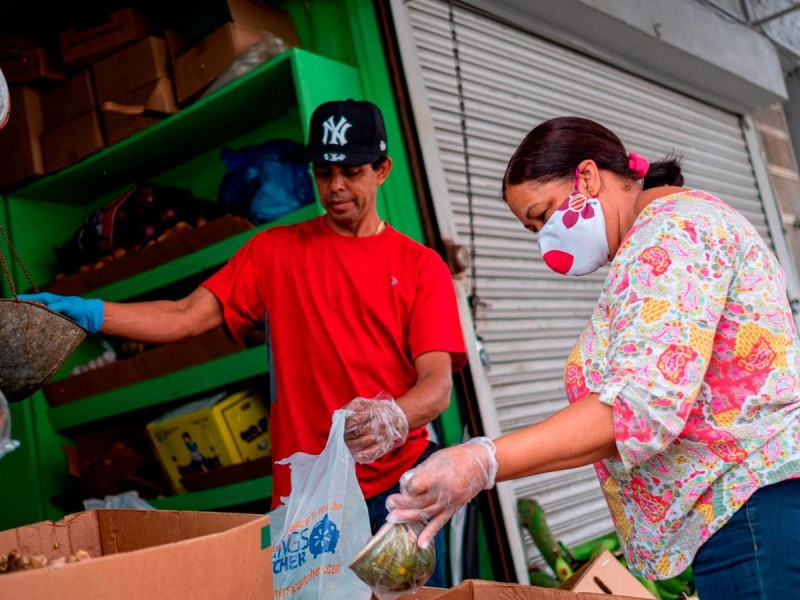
163,321
430,395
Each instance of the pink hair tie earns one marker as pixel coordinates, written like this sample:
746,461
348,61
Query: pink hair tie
638,164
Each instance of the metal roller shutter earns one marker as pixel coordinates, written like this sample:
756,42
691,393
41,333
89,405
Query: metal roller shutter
530,318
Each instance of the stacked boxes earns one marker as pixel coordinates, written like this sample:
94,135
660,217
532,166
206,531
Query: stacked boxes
122,67
72,128
19,140
132,85
211,433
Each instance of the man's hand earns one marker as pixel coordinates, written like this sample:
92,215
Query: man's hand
86,313
376,427
442,484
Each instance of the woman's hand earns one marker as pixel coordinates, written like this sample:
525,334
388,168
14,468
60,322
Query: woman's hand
437,488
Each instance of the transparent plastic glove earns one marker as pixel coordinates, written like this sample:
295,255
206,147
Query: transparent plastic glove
86,313
376,427
434,490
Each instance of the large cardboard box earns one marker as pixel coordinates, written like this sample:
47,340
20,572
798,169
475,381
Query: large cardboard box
209,434
23,62
474,589
20,149
72,141
138,65
144,555
604,574
134,89
202,64
196,68
81,48
71,99
138,109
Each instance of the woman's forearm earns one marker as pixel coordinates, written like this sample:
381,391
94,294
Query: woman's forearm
578,435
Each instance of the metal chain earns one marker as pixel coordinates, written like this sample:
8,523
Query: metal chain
8,275
473,294
21,264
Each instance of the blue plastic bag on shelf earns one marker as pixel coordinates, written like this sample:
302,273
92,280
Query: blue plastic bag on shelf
323,524
267,181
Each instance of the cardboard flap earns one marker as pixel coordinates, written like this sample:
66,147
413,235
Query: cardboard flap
128,530
56,538
474,589
604,574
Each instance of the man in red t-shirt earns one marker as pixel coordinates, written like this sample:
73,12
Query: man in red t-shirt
357,315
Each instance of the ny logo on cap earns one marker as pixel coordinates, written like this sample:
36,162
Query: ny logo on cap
334,133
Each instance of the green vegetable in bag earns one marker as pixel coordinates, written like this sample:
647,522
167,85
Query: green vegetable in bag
392,563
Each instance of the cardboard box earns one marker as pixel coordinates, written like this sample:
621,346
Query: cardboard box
264,18
71,99
139,109
202,64
117,76
22,62
72,141
81,48
474,589
604,574
142,555
196,68
246,418
19,139
206,434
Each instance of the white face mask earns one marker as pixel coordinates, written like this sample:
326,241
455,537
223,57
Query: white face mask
573,241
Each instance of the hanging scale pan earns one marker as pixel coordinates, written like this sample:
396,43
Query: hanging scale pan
34,340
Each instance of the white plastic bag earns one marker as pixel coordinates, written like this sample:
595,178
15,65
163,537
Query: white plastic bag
322,526
6,443
128,499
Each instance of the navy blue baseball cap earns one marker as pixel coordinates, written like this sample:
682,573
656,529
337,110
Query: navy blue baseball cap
346,132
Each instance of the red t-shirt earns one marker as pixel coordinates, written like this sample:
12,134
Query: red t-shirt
346,317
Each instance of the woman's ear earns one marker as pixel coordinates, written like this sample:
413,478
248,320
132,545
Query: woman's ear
589,178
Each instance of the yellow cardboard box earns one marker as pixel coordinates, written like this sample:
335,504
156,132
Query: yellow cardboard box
246,418
210,433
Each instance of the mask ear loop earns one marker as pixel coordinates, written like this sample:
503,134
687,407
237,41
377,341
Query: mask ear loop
577,181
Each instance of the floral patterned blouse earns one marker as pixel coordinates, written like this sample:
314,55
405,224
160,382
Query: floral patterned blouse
693,345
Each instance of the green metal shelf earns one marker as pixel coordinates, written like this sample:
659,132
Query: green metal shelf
296,80
251,490
194,263
152,392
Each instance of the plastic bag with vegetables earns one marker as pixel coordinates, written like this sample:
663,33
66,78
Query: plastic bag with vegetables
6,443
392,564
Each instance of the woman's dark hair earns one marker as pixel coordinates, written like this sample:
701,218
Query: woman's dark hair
553,150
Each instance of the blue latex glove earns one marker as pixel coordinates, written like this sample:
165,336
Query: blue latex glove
86,313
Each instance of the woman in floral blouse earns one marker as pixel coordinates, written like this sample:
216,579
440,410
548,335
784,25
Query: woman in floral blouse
683,387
